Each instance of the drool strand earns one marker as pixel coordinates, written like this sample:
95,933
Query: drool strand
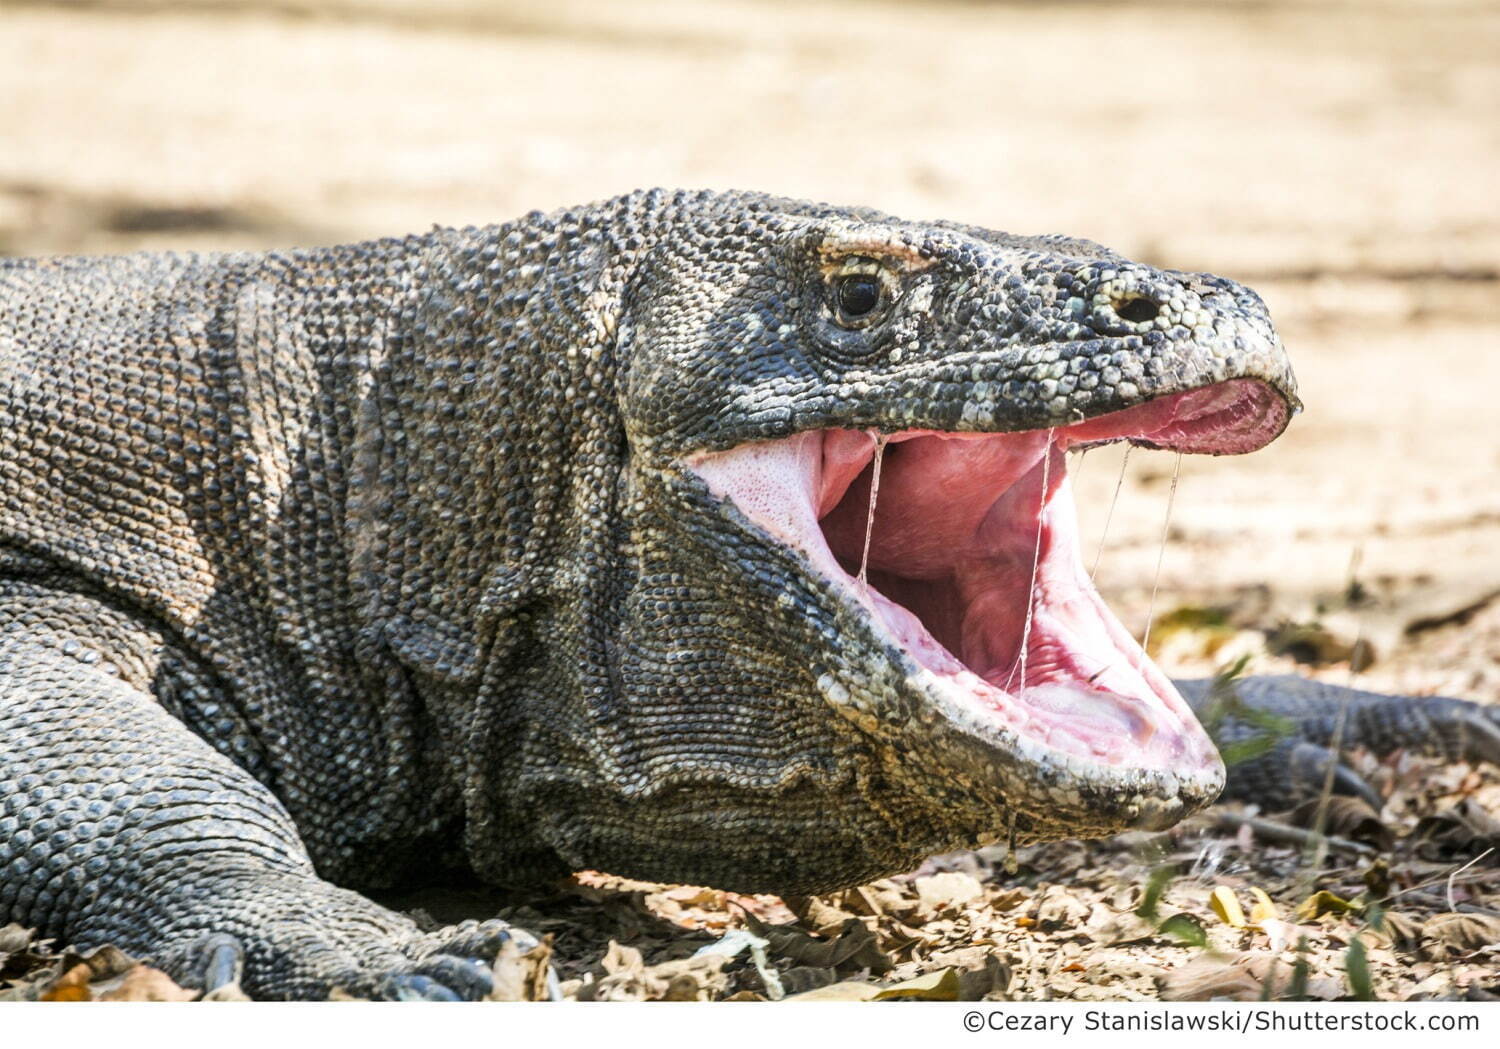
1036,560
1161,552
864,557
1124,462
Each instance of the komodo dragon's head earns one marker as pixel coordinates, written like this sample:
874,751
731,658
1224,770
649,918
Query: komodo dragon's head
781,723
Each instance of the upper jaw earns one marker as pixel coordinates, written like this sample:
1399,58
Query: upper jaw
1086,732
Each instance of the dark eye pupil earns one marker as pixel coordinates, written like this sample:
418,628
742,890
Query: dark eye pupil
858,295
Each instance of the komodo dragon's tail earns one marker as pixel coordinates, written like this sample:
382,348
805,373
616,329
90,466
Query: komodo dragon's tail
1286,726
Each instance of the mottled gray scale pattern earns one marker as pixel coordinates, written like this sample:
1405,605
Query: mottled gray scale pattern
353,567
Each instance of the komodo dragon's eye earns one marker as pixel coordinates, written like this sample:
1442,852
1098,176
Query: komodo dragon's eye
858,295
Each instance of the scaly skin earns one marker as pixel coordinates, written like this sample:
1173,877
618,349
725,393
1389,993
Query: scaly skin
354,567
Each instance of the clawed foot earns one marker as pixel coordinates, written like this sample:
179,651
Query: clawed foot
457,964
460,966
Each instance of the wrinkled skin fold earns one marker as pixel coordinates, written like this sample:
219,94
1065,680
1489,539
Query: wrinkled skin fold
505,552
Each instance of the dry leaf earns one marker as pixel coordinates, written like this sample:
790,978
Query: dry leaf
230,992
627,978
949,890
70,986
141,983
940,986
1241,978
1463,932
509,974
854,947
1223,903
995,978
1207,977
818,915
1061,908
1459,833
1323,902
13,940
1263,909
1282,934
1113,928
849,991
1405,932
1346,817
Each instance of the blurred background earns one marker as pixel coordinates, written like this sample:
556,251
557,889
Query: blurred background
1341,157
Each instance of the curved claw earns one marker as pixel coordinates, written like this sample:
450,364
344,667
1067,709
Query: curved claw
415,987
461,959
214,961
468,978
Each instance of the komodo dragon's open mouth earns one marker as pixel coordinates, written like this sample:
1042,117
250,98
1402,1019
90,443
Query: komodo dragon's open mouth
972,566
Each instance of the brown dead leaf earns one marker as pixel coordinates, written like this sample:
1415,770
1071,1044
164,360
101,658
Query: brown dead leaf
1283,934
1347,817
803,978
1462,932
627,978
1060,908
141,983
765,907
818,915
1242,977
1439,986
848,991
72,985
992,977
105,963
862,900
1460,833
854,947
230,992
523,977
902,941
13,940
1323,902
1111,928
940,986
1405,932
947,892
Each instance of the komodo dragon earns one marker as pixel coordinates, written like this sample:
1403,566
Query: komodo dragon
507,552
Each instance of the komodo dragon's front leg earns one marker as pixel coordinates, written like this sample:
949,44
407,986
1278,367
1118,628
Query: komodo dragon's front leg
118,825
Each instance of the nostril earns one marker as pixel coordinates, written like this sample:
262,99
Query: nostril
1137,310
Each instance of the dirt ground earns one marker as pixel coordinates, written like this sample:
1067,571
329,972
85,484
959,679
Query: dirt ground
1341,157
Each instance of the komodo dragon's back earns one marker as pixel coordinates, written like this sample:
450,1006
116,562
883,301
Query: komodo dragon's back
559,544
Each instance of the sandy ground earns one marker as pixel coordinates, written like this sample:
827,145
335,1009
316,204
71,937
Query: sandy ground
1342,157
